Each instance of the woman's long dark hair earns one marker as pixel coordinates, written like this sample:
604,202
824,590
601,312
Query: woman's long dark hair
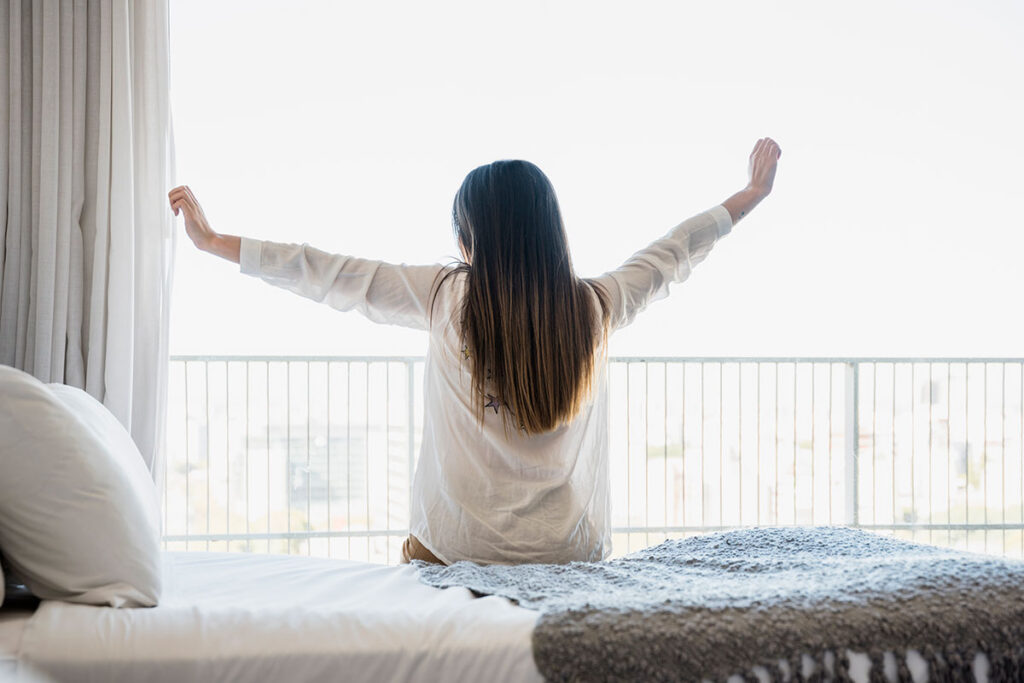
528,325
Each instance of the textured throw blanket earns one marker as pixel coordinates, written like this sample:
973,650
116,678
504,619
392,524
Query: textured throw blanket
778,598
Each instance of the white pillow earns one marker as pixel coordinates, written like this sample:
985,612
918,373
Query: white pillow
79,514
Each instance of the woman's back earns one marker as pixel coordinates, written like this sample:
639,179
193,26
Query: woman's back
488,494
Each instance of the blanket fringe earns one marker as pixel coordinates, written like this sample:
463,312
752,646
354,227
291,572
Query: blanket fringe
1006,666
902,670
796,667
999,667
877,672
938,669
944,666
817,672
843,666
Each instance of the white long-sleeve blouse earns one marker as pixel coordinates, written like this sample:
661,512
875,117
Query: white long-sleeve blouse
481,493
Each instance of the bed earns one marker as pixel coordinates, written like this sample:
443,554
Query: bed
247,617
241,617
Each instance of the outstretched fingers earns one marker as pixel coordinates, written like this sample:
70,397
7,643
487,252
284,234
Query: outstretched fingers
771,148
179,204
763,162
181,197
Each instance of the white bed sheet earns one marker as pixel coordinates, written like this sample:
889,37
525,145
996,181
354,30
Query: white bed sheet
242,617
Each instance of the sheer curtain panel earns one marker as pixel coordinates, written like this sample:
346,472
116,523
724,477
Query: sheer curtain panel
86,240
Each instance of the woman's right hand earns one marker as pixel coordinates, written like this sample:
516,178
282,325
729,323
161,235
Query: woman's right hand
196,226
763,162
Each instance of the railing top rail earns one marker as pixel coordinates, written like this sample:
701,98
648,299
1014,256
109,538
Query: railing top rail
259,358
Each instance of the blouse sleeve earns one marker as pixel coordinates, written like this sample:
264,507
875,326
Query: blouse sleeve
646,276
383,292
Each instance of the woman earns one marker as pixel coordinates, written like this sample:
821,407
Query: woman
514,462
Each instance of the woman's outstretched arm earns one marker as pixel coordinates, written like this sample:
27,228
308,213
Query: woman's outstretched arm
647,275
198,228
394,294
763,162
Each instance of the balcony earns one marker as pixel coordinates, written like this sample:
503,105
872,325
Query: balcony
314,455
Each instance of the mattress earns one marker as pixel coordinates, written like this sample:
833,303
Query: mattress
245,617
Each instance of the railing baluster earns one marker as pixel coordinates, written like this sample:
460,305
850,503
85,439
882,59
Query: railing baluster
775,491
967,452
309,477
629,463
288,452
664,439
795,373
913,443
188,464
949,456
892,445
931,455
227,450
288,480
758,388
874,450
366,452
1002,450
984,452
703,426
721,444
387,456
411,398
682,455
348,454
814,452
206,391
739,433
852,434
248,531
330,520
831,373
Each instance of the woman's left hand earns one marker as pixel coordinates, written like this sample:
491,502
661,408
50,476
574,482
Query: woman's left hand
764,161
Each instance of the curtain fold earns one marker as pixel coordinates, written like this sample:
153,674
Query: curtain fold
86,239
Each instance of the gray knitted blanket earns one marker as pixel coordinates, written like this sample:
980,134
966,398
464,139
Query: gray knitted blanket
769,600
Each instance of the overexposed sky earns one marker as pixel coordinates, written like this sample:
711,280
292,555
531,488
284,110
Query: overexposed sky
893,230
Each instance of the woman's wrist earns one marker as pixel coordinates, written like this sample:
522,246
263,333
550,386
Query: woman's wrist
743,202
757,193
206,242
225,246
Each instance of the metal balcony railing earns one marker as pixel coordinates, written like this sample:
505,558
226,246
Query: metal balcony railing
315,455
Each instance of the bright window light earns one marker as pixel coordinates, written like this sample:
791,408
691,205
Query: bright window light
893,230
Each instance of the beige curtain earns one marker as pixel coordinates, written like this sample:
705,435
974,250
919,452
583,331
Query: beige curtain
86,239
